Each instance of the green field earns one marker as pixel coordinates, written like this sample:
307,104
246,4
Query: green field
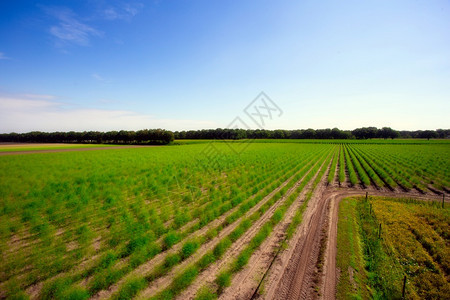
33,147
413,243
74,224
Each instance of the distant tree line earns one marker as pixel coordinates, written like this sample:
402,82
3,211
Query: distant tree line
145,136
335,133
235,134
161,136
426,134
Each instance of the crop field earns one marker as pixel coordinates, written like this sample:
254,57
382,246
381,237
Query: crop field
196,220
10,147
411,243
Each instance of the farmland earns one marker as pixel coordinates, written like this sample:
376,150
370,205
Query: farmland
177,222
411,243
14,147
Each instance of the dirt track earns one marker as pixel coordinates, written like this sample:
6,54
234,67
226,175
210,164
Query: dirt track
334,196
292,274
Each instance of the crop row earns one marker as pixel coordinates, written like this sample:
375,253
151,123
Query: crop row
143,249
316,174
284,200
179,254
391,167
44,247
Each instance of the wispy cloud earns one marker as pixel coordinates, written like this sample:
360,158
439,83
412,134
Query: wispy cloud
23,114
70,30
3,56
100,78
125,11
38,96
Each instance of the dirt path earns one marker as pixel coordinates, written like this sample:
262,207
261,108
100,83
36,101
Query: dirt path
73,149
329,279
245,282
330,274
296,279
291,276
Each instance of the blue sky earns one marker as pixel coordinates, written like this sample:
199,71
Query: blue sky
109,65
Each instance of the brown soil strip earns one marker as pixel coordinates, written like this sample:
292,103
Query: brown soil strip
297,277
431,188
318,271
283,261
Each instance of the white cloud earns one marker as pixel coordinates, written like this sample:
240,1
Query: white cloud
124,11
69,29
3,56
24,114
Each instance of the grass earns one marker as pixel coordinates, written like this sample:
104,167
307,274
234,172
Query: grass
131,287
33,147
350,256
412,243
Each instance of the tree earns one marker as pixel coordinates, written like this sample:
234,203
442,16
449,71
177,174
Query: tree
428,134
387,132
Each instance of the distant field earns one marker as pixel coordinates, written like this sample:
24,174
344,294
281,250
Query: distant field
6,147
183,221
413,242
320,141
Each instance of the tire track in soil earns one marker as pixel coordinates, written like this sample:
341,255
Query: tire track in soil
296,279
246,281
283,269
209,274
159,258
